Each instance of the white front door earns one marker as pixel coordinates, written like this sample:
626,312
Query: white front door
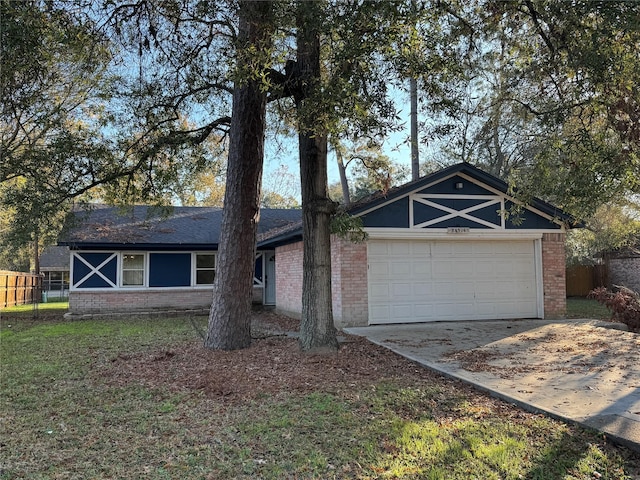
269,278
430,280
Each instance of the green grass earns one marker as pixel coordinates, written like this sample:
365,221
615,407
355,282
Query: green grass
60,419
578,307
30,309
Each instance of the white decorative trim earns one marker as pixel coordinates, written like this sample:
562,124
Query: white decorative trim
498,193
452,213
537,250
442,234
93,270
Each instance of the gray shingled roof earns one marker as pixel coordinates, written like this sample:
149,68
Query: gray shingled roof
148,227
54,258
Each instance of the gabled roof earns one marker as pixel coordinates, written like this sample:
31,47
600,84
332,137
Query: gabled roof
378,199
142,227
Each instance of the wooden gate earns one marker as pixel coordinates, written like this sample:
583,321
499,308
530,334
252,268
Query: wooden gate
581,279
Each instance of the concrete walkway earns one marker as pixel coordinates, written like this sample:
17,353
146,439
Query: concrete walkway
579,371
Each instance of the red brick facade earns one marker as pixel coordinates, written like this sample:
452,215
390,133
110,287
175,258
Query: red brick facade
348,281
289,279
350,287
553,275
117,301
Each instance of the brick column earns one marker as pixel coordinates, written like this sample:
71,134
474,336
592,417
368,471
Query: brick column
553,275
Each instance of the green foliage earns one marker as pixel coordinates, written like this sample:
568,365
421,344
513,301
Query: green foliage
548,100
613,227
349,227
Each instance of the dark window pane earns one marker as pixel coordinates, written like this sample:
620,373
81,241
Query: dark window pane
205,277
206,261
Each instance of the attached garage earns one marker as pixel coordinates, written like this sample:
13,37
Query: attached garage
430,280
451,246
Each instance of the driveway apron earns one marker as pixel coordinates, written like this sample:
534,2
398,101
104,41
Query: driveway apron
580,371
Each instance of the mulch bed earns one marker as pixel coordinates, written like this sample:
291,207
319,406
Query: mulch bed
272,365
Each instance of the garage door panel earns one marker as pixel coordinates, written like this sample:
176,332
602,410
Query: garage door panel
380,291
422,269
399,248
401,269
402,290
417,281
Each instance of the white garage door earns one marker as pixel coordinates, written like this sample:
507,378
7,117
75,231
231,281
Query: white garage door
421,281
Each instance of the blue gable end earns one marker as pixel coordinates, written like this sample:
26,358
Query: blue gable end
448,186
527,220
460,196
395,214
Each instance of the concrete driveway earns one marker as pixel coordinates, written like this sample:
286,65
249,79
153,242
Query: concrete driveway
580,371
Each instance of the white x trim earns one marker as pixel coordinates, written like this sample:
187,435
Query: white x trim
452,213
95,270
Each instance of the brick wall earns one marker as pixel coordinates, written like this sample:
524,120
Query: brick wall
625,272
348,281
119,301
553,275
289,279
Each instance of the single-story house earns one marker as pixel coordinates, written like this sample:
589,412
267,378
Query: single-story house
144,259
444,247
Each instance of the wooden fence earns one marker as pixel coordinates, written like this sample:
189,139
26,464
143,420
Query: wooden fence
581,279
17,288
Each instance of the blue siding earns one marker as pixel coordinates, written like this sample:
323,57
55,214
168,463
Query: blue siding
528,220
80,270
258,269
394,215
448,187
169,269
424,213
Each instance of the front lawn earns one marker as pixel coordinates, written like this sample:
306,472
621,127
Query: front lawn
140,398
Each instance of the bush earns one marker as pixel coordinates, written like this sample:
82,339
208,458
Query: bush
624,305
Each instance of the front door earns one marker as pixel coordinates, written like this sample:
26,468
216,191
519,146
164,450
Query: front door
269,278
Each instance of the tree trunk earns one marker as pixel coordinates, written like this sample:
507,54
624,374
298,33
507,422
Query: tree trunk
230,316
415,150
317,332
342,170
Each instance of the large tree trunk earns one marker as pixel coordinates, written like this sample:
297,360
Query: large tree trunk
317,331
230,316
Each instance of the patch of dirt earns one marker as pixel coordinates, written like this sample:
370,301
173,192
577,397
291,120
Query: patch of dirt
272,365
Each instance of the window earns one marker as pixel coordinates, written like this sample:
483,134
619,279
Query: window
205,268
132,270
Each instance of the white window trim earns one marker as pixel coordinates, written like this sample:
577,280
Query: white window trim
145,270
194,268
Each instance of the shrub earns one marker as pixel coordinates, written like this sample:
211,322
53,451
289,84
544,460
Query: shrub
624,305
